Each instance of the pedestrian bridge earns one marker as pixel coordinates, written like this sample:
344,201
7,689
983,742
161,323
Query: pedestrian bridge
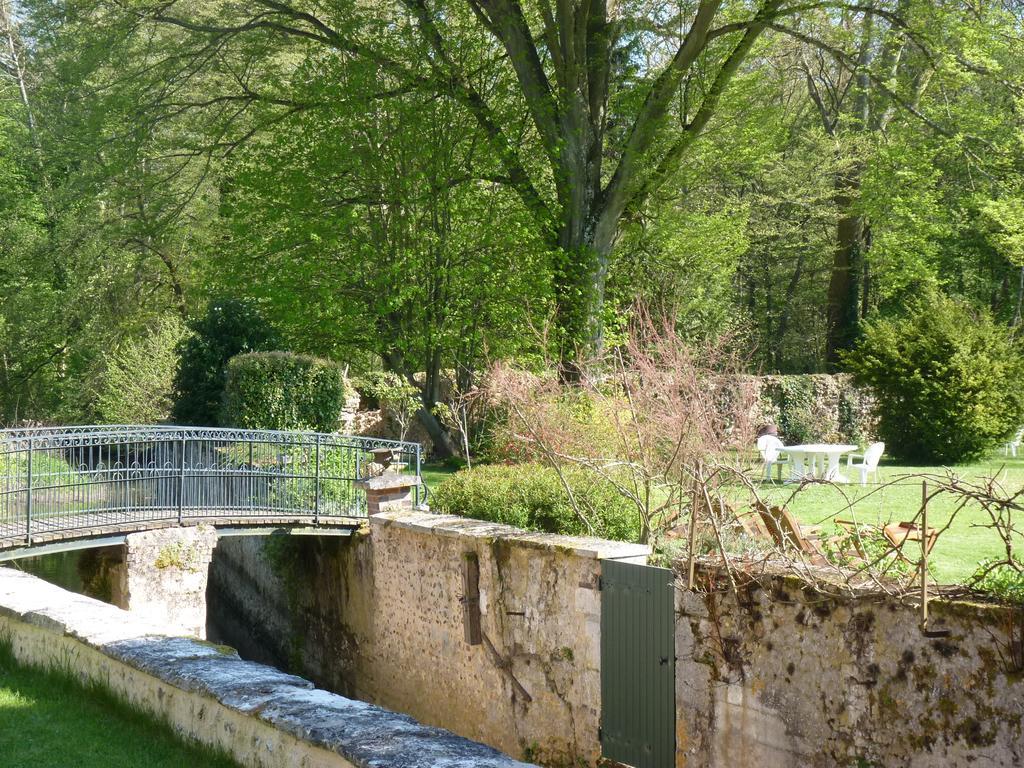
74,487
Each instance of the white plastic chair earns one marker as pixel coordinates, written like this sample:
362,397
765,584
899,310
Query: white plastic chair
770,448
869,462
1011,446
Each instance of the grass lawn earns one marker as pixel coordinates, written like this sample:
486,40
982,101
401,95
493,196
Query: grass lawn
50,721
958,550
433,475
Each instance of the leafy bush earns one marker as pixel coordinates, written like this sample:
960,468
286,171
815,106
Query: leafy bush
371,386
228,328
282,390
532,496
1003,582
138,380
338,467
46,466
949,382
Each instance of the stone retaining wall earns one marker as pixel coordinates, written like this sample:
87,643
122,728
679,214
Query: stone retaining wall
388,617
813,407
784,677
770,676
263,717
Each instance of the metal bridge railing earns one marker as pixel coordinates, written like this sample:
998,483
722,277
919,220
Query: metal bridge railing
61,479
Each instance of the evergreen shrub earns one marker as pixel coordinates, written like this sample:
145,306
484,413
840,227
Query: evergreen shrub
949,381
228,328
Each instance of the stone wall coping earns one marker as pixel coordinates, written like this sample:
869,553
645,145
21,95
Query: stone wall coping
388,481
948,598
365,735
464,527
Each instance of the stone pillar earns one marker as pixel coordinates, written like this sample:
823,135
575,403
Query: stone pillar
389,492
164,574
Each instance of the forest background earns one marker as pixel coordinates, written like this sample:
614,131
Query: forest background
425,186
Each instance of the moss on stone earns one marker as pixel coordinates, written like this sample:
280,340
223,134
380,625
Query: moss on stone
178,555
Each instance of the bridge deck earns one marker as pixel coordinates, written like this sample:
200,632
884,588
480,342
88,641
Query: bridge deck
64,487
99,524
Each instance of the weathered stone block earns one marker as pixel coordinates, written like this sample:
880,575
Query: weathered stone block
164,576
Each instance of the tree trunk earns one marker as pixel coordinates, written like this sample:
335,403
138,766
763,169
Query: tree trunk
845,282
579,295
1017,319
584,241
444,446
779,337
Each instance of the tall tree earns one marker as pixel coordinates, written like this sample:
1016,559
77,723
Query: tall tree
615,94
367,231
870,70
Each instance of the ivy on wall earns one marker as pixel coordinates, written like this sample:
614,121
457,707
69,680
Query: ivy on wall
816,408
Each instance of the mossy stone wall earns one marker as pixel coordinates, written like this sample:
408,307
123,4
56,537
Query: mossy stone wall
813,407
778,675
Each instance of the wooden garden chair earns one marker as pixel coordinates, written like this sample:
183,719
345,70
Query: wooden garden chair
897,534
901,534
753,525
787,532
854,530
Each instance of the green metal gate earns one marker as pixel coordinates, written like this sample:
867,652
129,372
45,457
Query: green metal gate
638,702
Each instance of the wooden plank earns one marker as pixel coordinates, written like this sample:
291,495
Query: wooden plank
471,598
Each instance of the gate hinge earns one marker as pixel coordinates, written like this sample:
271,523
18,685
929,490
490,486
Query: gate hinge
600,583
600,734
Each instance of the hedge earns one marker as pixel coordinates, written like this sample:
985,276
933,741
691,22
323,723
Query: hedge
282,390
949,380
531,496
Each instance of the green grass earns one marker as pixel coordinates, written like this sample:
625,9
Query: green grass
958,550
434,474
49,720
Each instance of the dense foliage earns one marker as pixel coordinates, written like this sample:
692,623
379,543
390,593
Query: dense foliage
137,385
949,381
537,498
282,390
1001,580
228,328
415,187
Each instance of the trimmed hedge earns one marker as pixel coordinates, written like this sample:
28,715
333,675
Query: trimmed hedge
282,390
531,496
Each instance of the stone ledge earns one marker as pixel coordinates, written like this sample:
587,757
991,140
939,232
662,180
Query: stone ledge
388,481
455,527
358,734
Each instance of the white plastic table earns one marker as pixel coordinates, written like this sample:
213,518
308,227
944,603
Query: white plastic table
817,461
